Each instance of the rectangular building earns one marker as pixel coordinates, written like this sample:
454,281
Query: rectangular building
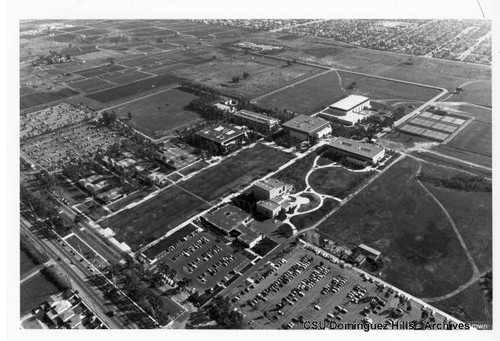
270,188
356,152
268,208
350,104
222,134
305,128
369,252
255,119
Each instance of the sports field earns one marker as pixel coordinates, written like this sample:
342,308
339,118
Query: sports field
421,256
161,113
317,93
236,172
146,222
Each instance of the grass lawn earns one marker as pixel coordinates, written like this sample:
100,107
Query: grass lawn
295,174
305,220
420,251
476,137
468,305
236,172
35,291
337,181
142,224
160,114
314,201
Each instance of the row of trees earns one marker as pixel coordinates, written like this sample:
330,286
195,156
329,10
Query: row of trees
220,311
460,181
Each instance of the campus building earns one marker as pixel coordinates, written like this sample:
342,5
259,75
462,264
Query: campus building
271,195
305,128
356,152
350,104
222,134
232,221
254,119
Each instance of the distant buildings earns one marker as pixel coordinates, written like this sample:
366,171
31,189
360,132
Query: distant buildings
254,119
305,128
356,152
271,195
222,134
232,221
95,183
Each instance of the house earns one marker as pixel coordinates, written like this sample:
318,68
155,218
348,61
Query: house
356,152
307,128
110,195
222,134
158,178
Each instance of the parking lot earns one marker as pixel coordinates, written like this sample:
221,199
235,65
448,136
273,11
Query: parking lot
204,258
53,151
305,287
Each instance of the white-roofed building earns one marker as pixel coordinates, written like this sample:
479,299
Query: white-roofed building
350,104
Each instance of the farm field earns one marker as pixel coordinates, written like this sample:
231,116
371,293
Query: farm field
146,222
337,181
159,114
91,85
125,77
99,70
132,89
39,98
264,74
35,291
317,93
475,138
421,256
236,172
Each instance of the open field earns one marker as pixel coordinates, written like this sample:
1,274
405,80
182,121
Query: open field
236,172
317,93
469,305
464,155
134,88
99,70
264,74
161,113
35,291
295,173
125,77
475,138
27,262
337,181
39,98
142,224
475,93
91,85
421,256
306,220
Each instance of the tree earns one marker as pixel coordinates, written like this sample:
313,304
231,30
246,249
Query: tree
235,79
245,75
288,63
129,114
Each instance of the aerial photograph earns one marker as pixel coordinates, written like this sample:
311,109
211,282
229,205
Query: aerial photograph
255,174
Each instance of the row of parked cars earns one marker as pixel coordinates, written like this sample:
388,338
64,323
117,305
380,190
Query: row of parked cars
223,262
334,286
356,293
204,257
192,248
182,240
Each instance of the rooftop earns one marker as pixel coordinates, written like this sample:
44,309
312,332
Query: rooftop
221,133
369,249
256,116
271,205
248,234
228,217
356,147
349,102
269,184
306,124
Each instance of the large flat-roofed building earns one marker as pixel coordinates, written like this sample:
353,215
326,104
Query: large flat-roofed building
355,151
255,119
232,221
350,104
268,208
270,188
305,128
222,134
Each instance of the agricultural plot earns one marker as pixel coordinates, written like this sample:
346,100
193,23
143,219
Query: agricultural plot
125,77
91,85
99,70
134,88
236,172
159,114
39,98
79,50
421,256
148,221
